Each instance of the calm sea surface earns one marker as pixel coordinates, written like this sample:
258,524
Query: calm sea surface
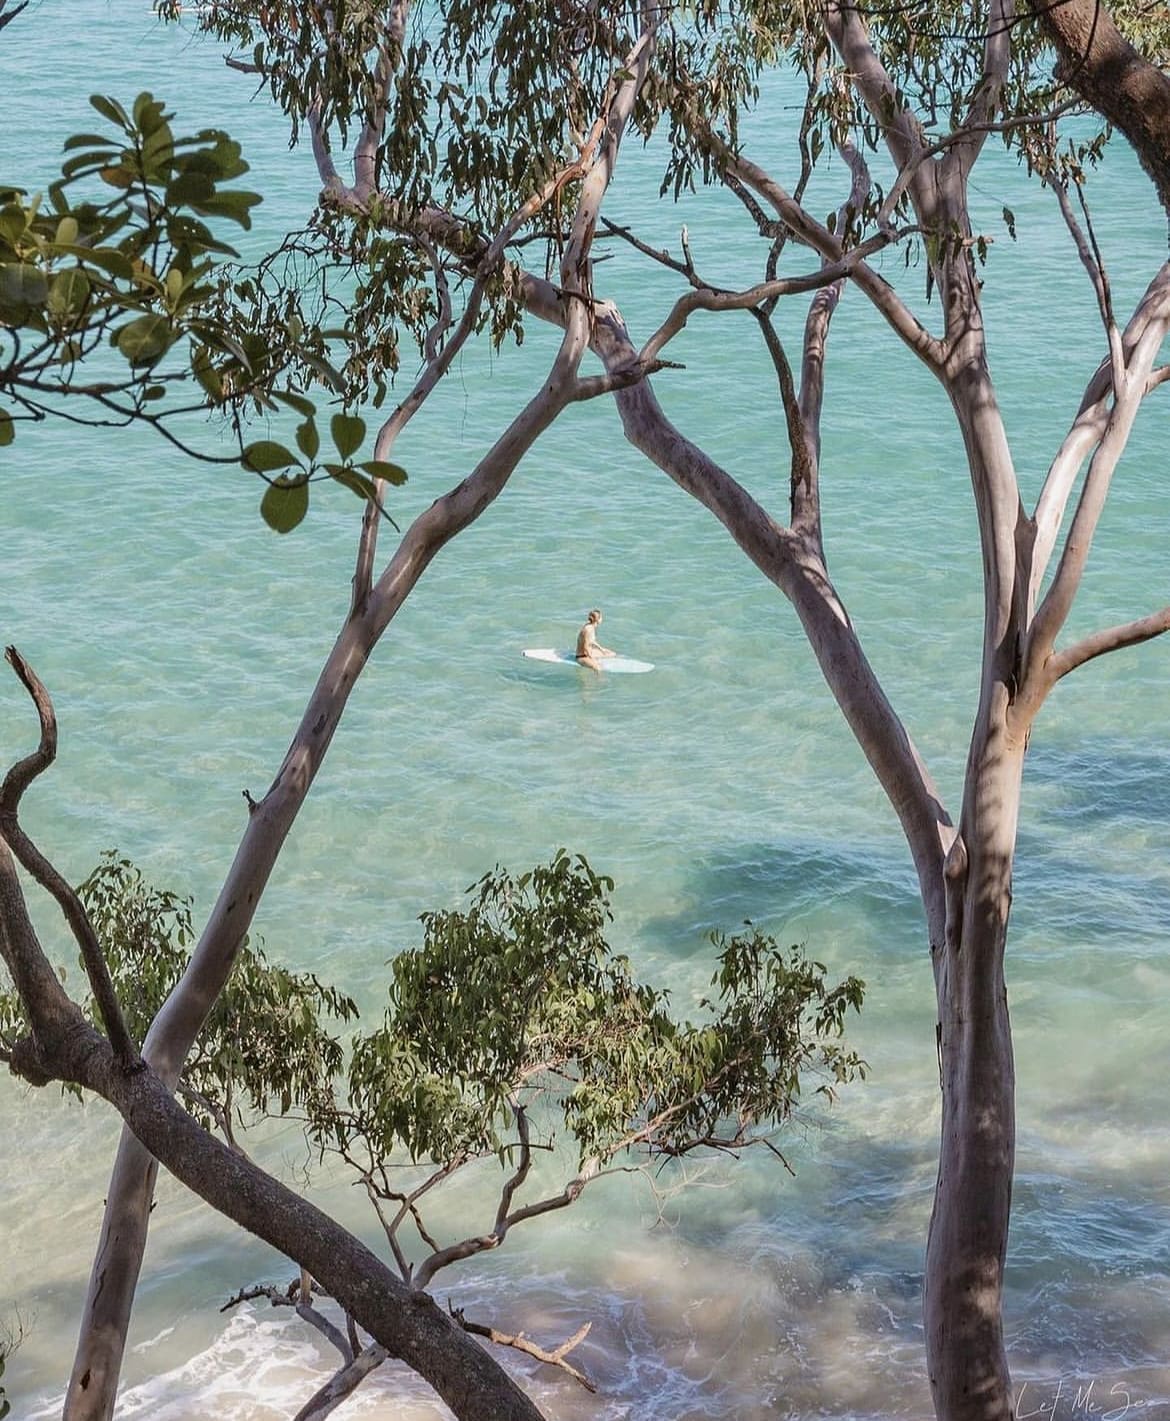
180,639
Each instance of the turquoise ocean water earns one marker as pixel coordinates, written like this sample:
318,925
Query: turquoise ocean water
180,639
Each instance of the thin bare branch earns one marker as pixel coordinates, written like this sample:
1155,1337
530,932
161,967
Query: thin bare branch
293,1297
707,298
7,16
343,1384
1091,260
518,1342
997,50
198,1102
816,235
516,1179
49,1009
17,780
1109,639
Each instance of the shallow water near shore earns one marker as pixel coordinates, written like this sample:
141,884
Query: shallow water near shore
180,639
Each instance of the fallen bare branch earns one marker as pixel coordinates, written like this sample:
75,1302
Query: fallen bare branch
520,1343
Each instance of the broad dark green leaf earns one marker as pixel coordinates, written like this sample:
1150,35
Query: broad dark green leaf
12,224
190,188
110,109
349,478
7,428
348,431
285,503
295,402
85,140
68,292
308,440
22,286
145,339
383,469
206,373
107,259
235,206
148,113
265,455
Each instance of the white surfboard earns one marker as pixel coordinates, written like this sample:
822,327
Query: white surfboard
626,664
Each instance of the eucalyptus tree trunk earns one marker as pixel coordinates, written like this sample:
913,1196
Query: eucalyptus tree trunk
963,1290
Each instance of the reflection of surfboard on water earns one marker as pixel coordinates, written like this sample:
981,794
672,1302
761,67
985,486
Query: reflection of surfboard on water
625,664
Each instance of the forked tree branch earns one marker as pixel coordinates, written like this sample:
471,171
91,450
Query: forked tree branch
997,49
942,145
596,150
520,1343
17,780
901,131
343,1384
1143,341
814,234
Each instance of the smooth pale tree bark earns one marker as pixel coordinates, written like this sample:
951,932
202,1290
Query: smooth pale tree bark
964,872
114,1277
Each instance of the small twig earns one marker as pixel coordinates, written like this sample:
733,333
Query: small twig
219,1114
779,1156
555,1358
291,1297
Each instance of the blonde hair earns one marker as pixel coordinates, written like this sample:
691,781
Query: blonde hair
594,615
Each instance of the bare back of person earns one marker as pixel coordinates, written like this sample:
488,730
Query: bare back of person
589,649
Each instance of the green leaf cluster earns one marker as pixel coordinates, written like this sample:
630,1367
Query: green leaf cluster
117,252
265,1046
517,1003
512,1008
484,102
286,499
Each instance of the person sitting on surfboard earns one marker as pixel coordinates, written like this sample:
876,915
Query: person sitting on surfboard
588,647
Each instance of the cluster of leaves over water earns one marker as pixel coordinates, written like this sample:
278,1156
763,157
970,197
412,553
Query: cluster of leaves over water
469,107
513,1010
518,1005
267,1043
118,254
